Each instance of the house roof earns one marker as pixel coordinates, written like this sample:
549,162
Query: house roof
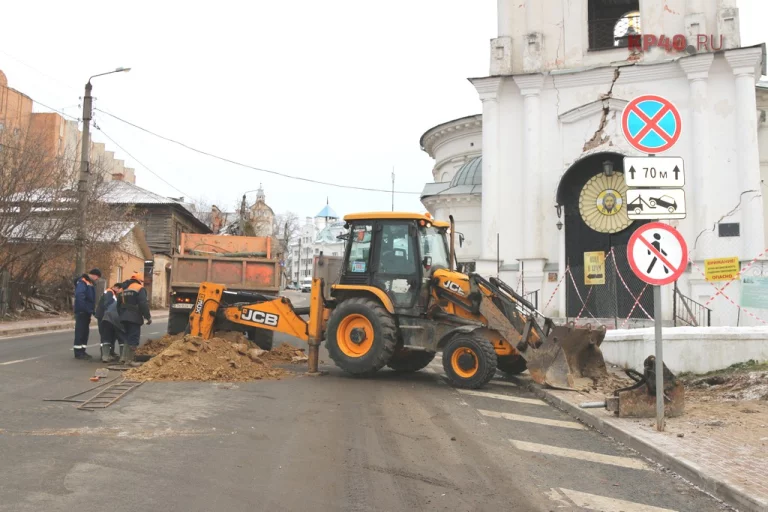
38,229
327,212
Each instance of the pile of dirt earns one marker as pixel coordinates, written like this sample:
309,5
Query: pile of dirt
286,353
154,347
739,382
611,382
190,358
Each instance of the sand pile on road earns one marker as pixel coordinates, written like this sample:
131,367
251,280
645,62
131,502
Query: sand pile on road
190,358
154,347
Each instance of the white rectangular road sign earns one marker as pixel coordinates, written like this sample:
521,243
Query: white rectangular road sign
655,203
654,171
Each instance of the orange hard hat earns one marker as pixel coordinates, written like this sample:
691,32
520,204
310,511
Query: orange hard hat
137,276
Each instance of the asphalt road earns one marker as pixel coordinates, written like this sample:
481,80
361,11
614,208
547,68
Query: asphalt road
331,443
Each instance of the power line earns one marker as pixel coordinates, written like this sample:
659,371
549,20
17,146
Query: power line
234,162
55,110
141,164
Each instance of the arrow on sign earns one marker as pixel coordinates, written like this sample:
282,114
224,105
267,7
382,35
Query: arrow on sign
632,172
676,170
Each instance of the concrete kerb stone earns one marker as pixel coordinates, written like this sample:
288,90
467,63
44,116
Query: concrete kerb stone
726,492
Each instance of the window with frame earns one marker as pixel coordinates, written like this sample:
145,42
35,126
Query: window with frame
360,248
614,24
396,253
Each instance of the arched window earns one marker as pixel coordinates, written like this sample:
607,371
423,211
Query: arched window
612,23
445,177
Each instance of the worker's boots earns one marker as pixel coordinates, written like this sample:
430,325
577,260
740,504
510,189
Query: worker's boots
106,357
129,354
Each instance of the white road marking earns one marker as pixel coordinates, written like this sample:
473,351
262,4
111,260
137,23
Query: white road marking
532,419
20,360
507,398
624,462
603,504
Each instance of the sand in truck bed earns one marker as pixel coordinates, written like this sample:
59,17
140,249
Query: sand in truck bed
228,357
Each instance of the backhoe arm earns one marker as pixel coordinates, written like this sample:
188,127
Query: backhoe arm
276,315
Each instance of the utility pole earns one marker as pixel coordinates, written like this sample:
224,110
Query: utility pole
84,179
85,173
393,188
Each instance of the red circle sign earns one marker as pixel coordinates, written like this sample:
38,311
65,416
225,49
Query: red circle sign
657,253
651,124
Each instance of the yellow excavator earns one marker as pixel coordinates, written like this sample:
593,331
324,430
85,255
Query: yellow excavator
395,299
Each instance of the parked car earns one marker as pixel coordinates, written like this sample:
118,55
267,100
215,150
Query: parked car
306,285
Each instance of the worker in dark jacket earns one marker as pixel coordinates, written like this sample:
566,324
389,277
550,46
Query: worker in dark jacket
107,331
85,302
134,309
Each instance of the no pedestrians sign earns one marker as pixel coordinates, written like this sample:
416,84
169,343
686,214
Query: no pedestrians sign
657,253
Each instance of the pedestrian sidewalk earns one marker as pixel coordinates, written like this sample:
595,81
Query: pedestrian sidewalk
53,324
727,458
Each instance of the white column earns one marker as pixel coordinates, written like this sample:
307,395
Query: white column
488,89
504,17
697,165
561,269
746,64
530,88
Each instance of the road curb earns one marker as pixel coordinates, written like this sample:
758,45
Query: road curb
730,494
68,324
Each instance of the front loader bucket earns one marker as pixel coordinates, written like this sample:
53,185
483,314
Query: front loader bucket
569,358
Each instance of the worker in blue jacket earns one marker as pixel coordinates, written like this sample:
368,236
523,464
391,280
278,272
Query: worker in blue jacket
85,304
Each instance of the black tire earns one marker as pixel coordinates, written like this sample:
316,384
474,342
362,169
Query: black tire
512,365
177,322
408,361
263,338
481,353
382,346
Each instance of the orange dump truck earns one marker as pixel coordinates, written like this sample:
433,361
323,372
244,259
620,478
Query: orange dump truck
245,264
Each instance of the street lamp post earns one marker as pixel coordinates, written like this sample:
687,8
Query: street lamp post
84,178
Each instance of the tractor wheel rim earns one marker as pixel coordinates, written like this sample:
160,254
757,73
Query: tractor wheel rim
349,333
459,362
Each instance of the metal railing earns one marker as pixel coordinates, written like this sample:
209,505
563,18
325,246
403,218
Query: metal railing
687,311
533,298
611,33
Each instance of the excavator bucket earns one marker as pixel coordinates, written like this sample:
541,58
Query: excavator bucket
568,358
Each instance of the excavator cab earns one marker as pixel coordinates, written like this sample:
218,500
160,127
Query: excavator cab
388,254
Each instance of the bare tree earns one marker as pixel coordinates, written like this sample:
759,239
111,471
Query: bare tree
38,213
286,228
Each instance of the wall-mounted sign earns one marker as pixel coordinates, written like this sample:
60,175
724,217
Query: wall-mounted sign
594,268
722,269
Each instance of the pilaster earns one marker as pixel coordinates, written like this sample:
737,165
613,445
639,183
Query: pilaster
530,88
746,66
489,89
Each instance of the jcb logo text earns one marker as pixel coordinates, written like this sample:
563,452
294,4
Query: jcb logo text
259,317
455,288
199,306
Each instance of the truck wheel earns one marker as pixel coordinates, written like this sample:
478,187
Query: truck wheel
177,322
407,361
512,365
361,336
263,338
469,360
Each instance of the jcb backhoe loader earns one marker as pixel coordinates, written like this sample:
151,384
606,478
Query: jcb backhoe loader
397,300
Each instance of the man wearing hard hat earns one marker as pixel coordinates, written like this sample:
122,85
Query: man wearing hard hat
134,309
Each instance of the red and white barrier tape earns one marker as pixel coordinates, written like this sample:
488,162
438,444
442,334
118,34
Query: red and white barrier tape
579,294
636,299
585,304
720,290
567,269
637,303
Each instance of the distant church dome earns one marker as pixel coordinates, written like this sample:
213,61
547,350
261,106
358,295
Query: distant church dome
471,173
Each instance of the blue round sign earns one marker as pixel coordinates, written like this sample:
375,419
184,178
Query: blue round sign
651,124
